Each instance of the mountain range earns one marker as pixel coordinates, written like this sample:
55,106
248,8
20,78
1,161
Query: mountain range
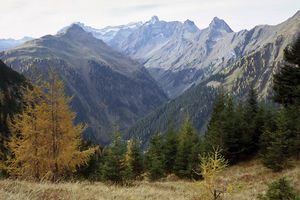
107,86
260,53
180,55
103,69
11,43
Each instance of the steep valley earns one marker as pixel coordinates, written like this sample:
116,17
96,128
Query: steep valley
263,46
188,63
180,55
107,86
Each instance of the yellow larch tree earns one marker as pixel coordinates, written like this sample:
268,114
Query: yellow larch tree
46,141
211,187
63,136
27,143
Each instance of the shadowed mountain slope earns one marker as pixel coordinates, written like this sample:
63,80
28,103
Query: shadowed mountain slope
107,86
10,98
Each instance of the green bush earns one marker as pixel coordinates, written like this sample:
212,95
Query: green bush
280,190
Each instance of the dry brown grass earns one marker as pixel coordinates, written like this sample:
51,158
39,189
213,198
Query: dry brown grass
254,178
17,190
251,175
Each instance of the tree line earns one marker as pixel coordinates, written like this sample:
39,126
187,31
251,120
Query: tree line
241,130
45,144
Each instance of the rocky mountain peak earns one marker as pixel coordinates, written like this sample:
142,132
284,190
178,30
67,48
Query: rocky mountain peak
79,24
76,31
74,28
94,73
189,22
154,19
190,25
219,24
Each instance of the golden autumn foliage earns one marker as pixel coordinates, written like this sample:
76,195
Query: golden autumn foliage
45,142
27,143
211,187
2,164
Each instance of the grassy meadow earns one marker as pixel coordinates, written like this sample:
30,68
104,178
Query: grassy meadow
251,176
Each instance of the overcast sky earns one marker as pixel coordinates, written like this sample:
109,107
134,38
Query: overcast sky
40,17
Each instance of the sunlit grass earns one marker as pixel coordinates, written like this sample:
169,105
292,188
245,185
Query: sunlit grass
251,175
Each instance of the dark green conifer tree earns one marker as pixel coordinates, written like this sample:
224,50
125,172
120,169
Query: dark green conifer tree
170,148
286,83
135,160
156,170
154,157
232,131
252,124
194,157
215,136
277,151
115,167
270,126
237,142
188,152
280,190
293,124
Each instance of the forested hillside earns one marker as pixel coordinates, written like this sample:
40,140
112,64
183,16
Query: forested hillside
11,84
255,70
107,86
197,103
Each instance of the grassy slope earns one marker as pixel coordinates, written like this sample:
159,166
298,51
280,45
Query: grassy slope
254,178
251,175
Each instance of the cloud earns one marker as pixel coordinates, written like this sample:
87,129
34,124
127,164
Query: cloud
144,7
134,9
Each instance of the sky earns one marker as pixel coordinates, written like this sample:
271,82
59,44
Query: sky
36,18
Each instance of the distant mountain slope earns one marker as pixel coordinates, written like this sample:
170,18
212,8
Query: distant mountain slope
174,52
254,68
108,33
179,55
258,66
107,86
10,97
11,43
197,102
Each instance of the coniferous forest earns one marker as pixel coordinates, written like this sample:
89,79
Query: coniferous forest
242,130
